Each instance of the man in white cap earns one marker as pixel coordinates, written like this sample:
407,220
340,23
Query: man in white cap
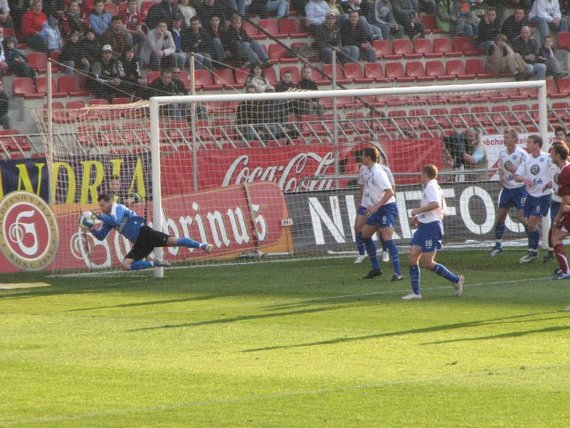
106,75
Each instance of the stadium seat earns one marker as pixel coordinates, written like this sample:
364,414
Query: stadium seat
482,115
354,72
252,31
430,23
456,67
145,6
436,68
440,116
241,75
38,61
395,71
444,46
225,78
405,48
98,101
70,85
111,8
290,27
153,75
203,80
425,48
271,25
477,67
270,75
24,87
384,49
459,117
278,53
416,70
41,85
466,45
75,105
340,77
121,100
295,74
375,71
564,40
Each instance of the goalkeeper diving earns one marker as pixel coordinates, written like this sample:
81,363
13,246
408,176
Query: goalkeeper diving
125,221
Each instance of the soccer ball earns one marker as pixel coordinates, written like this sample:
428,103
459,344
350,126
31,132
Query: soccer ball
87,217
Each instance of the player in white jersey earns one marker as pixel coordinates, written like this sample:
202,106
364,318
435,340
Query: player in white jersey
535,174
427,239
513,193
381,212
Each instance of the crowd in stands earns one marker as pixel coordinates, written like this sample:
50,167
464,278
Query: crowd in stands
113,42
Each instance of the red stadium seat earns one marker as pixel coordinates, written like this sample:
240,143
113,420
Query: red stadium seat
203,79
375,71
416,70
75,104
355,72
564,40
456,67
24,87
395,70
111,8
270,75
252,31
41,85
271,25
384,49
38,61
425,48
278,53
466,45
224,77
145,6
340,77
290,27
444,46
440,116
241,75
477,67
98,101
436,69
430,24
405,48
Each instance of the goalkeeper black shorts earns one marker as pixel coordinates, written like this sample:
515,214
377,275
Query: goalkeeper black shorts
146,242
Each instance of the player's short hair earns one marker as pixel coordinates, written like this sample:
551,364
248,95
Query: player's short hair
103,197
512,132
372,153
117,18
561,149
559,129
430,170
537,139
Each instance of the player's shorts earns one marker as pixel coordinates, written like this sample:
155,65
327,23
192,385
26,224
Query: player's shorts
361,210
564,223
536,206
147,241
428,236
512,197
554,208
384,217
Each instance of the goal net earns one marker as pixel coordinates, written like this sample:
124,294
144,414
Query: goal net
275,174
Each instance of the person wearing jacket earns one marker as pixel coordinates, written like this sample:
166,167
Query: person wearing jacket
99,18
32,23
159,48
545,14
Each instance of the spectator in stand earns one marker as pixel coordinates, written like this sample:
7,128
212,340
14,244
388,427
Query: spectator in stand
546,55
402,10
382,17
258,80
132,76
335,8
187,11
217,32
3,64
418,29
182,88
467,23
74,56
165,11
248,115
16,60
134,25
427,6
361,7
279,6
4,107
176,32
327,40
527,47
159,49
475,156
117,36
99,18
92,46
209,8
545,14
196,41
500,5
72,20
239,43
446,16
106,76
513,24
308,106
502,59
355,41
286,83
316,12
32,23
489,28
50,33
5,18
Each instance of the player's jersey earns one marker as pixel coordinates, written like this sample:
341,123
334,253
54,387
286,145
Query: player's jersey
507,159
563,181
537,170
364,172
376,185
123,220
554,173
432,193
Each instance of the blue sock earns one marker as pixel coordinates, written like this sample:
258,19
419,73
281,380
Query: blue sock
499,231
371,250
442,271
141,264
394,255
360,244
533,238
187,242
415,275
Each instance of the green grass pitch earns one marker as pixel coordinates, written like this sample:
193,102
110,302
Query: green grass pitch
301,343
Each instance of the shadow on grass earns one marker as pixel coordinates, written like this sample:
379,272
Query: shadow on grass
503,335
445,327
149,303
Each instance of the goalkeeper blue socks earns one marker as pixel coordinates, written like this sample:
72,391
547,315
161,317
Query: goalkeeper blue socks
442,271
533,238
394,255
188,243
360,244
371,250
499,231
141,264
415,275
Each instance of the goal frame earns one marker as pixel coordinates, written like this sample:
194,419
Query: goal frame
157,102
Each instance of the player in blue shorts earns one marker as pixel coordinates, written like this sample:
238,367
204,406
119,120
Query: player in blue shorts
427,239
126,222
381,212
513,193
